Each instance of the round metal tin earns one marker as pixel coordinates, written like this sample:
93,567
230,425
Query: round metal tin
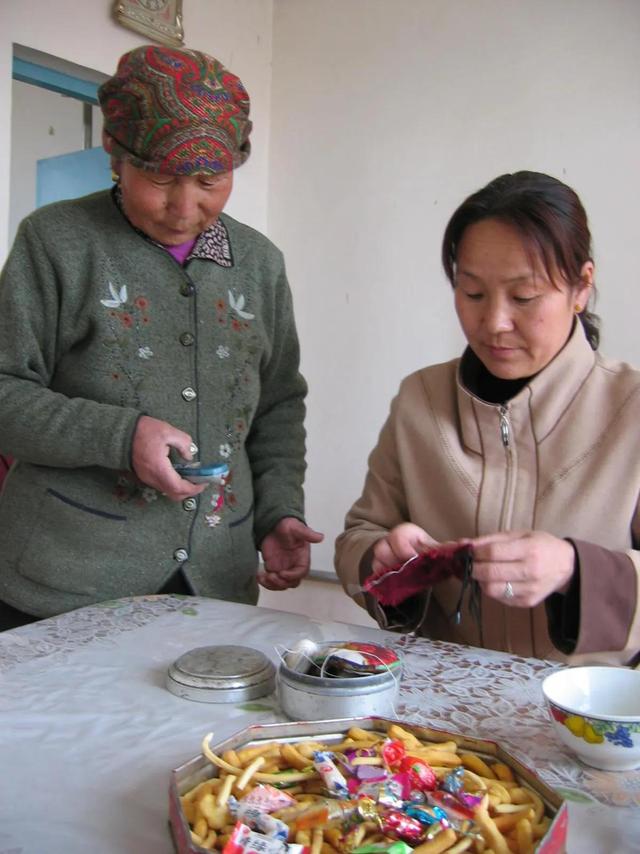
304,697
221,674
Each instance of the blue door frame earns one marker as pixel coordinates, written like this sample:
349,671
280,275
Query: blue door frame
56,81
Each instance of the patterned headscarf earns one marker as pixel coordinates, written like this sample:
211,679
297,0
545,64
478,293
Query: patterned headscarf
176,112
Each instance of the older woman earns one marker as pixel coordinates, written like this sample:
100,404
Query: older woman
137,326
527,446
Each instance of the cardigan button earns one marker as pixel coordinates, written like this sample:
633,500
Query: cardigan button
187,289
189,393
187,339
189,504
181,555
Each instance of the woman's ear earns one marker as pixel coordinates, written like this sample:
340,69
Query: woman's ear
583,288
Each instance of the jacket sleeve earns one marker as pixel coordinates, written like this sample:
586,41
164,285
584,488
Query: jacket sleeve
38,424
276,441
380,508
600,610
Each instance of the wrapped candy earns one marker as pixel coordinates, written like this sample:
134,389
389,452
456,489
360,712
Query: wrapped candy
243,840
398,825
397,847
393,753
268,799
420,773
329,811
258,820
333,779
386,793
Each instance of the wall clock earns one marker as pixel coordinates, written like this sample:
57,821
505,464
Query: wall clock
161,20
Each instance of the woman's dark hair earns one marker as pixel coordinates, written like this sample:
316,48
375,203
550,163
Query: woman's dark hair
550,218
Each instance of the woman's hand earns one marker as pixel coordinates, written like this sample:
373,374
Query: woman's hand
152,441
286,553
401,543
530,564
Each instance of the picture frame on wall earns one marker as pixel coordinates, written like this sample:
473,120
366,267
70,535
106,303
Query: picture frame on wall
160,20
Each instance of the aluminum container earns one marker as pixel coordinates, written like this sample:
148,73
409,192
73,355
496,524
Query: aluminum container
221,674
313,698
304,697
199,769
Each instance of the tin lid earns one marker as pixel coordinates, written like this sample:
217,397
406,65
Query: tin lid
221,674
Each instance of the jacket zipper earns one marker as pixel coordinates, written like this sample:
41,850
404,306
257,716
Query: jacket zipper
507,502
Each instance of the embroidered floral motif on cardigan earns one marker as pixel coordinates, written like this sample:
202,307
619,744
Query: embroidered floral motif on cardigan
129,488
241,348
127,320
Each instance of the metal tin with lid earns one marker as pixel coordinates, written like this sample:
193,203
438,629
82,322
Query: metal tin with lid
221,674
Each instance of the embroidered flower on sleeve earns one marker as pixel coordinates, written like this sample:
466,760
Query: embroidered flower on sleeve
145,352
225,450
223,352
212,519
149,494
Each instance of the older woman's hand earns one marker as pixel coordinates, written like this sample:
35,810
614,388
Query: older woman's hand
286,553
401,543
152,441
522,568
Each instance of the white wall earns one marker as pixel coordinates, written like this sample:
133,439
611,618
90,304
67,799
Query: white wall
238,33
385,115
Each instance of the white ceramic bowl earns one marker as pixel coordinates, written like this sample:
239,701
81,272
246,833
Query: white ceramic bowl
596,714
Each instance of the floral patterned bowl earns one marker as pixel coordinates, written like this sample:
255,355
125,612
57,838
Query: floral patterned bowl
596,714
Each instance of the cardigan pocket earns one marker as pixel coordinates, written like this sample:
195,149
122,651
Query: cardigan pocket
66,547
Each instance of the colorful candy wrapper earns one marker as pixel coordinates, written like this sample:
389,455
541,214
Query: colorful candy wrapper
454,780
243,840
396,824
393,752
387,793
421,774
454,784
397,847
258,820
333,779
428,815
451,804
323,812
268,799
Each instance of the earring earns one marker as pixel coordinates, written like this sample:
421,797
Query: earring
115,177
577,308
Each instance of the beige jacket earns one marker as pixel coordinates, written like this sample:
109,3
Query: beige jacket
571,467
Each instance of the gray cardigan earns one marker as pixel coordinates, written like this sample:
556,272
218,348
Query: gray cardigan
98,325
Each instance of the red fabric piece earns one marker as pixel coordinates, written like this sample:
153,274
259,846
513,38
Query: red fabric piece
392,585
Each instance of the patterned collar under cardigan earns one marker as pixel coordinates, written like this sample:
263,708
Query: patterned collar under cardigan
98,325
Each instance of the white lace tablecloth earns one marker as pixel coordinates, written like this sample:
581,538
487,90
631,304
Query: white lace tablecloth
89,733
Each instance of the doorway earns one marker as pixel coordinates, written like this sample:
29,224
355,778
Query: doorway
55,123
